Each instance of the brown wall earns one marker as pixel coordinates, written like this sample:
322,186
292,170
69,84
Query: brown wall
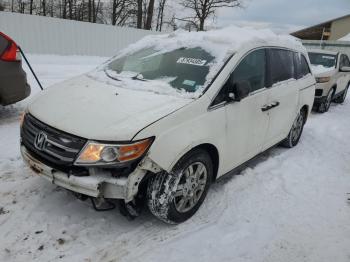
340,28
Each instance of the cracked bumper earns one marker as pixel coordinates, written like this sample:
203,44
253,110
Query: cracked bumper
98,184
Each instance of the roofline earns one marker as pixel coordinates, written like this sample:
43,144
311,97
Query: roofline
326,22
323,51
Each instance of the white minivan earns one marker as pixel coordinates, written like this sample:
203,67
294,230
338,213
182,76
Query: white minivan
166,117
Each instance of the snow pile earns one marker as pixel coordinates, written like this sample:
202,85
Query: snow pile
345,38
320,69
221,44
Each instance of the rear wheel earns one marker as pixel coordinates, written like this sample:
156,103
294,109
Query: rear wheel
297,129
324,106
175,197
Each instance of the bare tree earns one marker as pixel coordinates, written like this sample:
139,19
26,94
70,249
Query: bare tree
203,9
139,13
2,7
160,16
149,17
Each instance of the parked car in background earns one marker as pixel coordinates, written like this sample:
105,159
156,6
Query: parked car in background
332,72
168,116
13,79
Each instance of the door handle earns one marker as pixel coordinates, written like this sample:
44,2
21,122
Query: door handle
265,108
275,104
270,106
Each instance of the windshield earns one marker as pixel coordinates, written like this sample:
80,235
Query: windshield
183,69
323,59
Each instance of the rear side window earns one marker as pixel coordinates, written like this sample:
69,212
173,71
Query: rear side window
281,65
252,69
301,66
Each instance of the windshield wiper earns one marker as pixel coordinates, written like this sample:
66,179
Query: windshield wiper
112,77
139,77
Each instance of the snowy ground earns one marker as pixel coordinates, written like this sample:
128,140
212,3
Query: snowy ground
288,205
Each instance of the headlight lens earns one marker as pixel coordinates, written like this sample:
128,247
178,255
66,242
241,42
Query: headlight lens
109,154
323,79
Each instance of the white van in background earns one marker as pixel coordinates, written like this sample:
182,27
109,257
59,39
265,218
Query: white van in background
166,117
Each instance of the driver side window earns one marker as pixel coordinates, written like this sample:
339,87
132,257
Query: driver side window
251,69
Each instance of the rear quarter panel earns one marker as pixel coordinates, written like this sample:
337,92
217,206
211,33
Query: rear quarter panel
13,83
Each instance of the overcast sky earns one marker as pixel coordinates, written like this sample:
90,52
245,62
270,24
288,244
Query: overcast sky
282,15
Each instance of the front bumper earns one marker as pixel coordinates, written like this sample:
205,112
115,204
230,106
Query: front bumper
99,183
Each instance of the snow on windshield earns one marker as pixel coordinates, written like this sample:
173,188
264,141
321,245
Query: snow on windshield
220,44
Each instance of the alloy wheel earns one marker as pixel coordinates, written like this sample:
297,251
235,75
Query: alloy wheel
191,187
297,127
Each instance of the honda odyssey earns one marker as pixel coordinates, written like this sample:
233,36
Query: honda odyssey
167,116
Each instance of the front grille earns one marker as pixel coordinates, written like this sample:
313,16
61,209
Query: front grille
59,148
318,92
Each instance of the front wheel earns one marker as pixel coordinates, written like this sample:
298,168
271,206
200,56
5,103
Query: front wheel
175,197
297,129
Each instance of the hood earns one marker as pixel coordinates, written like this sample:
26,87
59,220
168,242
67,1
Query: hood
98,111
321,71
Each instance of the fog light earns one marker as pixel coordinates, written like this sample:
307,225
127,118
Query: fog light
109,154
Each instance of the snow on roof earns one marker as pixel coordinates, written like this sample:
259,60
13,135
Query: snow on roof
220,43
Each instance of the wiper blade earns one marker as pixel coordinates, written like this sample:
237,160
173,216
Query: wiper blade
139,77
112,77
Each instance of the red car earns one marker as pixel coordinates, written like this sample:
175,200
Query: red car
13,79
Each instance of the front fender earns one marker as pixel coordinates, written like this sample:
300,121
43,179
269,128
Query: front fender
177,134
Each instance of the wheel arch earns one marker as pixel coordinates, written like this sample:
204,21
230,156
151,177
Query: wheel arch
210,149
306,110
334,87
214,155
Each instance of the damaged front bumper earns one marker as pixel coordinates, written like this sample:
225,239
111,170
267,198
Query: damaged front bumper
99,183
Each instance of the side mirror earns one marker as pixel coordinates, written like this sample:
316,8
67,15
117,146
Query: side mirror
238,90
345,69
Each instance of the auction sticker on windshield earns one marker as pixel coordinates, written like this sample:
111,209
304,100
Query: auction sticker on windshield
328,57
191,61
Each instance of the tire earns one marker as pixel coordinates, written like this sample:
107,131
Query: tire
324,106
295,132
169,194
341,98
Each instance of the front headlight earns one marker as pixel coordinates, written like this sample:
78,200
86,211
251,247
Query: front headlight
323,79
109,154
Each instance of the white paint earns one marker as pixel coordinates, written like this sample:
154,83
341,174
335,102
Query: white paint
47,35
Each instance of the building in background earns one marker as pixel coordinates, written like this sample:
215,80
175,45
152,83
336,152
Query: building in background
329,30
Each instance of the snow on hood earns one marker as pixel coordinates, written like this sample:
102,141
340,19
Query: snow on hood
98,111
221,44
320,69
